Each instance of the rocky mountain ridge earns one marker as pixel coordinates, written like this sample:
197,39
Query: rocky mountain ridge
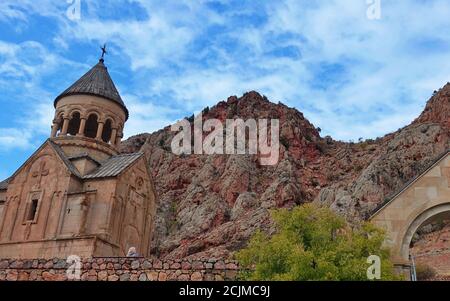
209,206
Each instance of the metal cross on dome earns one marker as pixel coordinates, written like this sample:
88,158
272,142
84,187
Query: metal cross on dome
103,51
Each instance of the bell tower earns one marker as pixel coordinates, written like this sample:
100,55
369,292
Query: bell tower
77,194
90,115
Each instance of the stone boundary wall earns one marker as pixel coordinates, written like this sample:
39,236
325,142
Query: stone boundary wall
119,269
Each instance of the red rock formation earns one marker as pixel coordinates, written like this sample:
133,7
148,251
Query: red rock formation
211,205
432,248
437,109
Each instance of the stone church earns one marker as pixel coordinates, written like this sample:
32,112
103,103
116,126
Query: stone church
77,195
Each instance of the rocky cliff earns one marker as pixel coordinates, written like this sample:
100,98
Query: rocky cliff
431,247
210,205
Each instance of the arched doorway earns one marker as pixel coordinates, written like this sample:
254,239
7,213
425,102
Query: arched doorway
427,241
422,201
429,216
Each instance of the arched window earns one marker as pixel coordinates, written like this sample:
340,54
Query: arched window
74,124
91,126
107,130
59,124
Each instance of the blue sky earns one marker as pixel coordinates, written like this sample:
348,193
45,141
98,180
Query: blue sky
350,75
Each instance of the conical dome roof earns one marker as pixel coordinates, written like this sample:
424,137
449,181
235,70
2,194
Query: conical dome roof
97,82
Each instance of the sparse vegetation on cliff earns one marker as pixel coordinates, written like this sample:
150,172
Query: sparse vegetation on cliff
425,272
351,179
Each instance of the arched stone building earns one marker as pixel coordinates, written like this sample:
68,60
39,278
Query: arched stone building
423,200
76,195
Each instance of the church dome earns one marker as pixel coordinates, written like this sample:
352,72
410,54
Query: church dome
90,115
96,82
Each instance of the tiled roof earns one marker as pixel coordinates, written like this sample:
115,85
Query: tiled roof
113,166
98,82
83,156
4,184
110,168
66,160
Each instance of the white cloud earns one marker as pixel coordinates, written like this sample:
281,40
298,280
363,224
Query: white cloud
15,12
23,69
11,138
351,76
147,116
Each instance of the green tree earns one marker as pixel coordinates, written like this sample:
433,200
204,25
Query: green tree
313,243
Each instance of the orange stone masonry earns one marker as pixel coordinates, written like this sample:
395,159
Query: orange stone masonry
76,194
120,269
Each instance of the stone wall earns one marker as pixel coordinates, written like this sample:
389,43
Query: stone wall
119,269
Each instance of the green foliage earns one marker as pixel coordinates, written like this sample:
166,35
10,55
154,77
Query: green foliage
313,243
172,221
363,145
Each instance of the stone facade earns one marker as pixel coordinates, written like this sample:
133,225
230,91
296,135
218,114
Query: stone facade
424,200
76,195
120,269
84,107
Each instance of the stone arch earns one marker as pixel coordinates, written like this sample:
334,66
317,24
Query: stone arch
73,108
74,123
58,125
91,125
59,115
422,219
58,122
93,112
119,134
112,118
421,201
107,130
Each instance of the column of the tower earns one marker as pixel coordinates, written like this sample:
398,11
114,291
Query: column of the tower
93,112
